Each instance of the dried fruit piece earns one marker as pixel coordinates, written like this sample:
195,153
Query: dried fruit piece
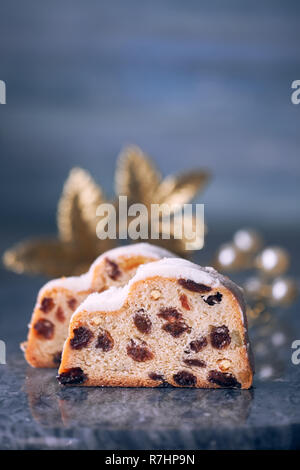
81,338
223,379
112,269
159,378
195,362
170,314
185,379
47,304
104,341
219,337
155,294
184,302
194,286
57,358
60,314
176,329
139,352
44,328
154,376
72,376
72,303
213,299
198,344
142,322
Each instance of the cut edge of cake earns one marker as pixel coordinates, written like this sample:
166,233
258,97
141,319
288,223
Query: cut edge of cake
186,276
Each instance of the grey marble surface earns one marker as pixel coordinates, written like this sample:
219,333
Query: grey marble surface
36,413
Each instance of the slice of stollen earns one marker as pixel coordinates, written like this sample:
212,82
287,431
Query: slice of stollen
174,323
58,299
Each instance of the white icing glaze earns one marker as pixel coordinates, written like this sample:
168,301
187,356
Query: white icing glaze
114,298
178,268
107,301
83,282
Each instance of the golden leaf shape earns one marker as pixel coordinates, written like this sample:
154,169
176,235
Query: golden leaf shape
48,256
76,214
51,257
136,177
179,190
77,245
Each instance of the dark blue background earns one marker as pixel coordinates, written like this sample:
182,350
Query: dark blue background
195,84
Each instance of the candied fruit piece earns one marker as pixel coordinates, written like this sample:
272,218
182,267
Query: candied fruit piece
236,338
47,304
155,294
223,379
185,379
60,314
184,302
72,303
194,286
224,364
57,358
112,269
219,337
170,314
81,338
44,328
198,344
104,341
142,322
72,376
176,329
213,299
195,362
139,352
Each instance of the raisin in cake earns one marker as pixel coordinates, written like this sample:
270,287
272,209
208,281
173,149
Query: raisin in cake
58,299
174,323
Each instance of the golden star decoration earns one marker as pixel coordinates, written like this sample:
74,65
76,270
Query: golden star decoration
77,244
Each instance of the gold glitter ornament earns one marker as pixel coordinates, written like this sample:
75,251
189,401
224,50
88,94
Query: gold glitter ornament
254,287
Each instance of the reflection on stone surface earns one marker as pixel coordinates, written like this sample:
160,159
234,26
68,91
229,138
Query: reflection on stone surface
271,338
116,408
148,408
41,390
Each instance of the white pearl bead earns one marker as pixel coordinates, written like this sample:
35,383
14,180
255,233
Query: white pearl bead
253,287
228,257
247,240
283,290
273,261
